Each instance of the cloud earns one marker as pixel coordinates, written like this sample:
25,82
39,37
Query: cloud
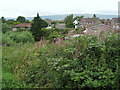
17,12
13,8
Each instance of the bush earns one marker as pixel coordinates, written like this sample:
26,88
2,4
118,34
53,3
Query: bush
20,37
21,29
11,81
7,40
47,32
24,37
6,27
53,35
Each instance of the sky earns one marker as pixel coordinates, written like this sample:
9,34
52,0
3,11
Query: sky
29,8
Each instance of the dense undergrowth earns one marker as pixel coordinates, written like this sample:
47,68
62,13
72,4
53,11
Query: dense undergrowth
82,62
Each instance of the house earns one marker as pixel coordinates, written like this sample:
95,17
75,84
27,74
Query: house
60,26
77,23
97,29
87,22
115,23
49,22
22,25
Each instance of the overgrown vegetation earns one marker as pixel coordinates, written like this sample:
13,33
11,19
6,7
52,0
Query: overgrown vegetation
83,62
10,37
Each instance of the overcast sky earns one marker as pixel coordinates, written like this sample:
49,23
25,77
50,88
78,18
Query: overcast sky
29,8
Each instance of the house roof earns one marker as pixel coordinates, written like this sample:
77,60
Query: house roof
48,21
23,25
90,20
99,25
96,29
115,19
60,25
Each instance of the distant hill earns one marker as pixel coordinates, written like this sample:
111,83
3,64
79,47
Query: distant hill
60,17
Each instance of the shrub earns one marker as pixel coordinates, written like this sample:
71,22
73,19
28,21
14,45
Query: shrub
7,40
6,27
55,34
47,32
11,81
21,29
24,37
20,37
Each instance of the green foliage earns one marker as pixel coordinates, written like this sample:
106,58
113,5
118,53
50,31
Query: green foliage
6,27
47,32
21,19
55,34
3,19
79,30
24,37
94,16
69,21
21,29
63,31
79,17
36,27
11,22
6,40
17,37
11,81
83,62
44,24
27,21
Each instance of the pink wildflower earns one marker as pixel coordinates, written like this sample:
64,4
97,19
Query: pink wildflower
35,44
60,32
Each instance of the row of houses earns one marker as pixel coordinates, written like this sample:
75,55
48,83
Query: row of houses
49,22
91,25
96,26
88,22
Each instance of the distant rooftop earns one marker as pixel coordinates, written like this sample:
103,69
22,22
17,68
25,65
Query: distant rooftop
23,25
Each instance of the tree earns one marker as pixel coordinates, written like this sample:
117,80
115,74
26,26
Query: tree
11,22
44,23
37,26
21,19
94,16
69,21
78,17
3,19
